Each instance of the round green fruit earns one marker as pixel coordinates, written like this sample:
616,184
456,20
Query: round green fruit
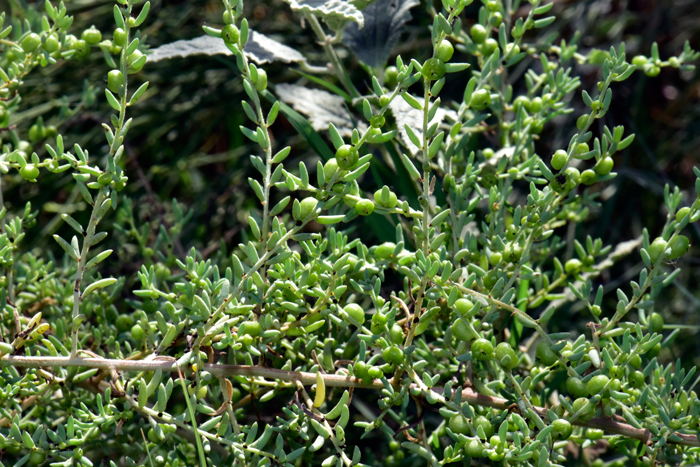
679,245
474,448
445,50
37,457
576,387
393,200
478,33
261,82
588,177
91,36
485,424
604,166
385,250
137,332
308,206
396,334
559,159
391,75
393,355
657,248
347,157
579,404
482,349
504,350
596,384
51,44
230,34
355,312
124,322
461,331
656,322
459,424
115,79
120,37
545,354
464,306
562,428
480,99
31,42
489,46
364,207
377,121
636,379
433,69
29,172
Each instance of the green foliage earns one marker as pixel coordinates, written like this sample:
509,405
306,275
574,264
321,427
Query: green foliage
433,342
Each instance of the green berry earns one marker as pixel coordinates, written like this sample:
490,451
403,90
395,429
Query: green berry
37,457
474,448
91,36
115,79
535,105
573,266
651,70
36,133
485,424
559,159
261,82
679,245
478,33
640,60
393,200
120,37
393,355
545,354
480,99
29,172
656,322
329,169
137,332
124,322
576,387
433,69
504,350
307,206
377,121
654,351
135,62
657,248
562,428
364,207
635,361
579,404
391,75
347,157
616,372
461,331
31,42
582,148
81,48
581,122
459,424
482,349
51,44
464,306
396,334
682,212
230,34
604,166
636,379
385,250
588,177
489,46
445,50
355,312
596,384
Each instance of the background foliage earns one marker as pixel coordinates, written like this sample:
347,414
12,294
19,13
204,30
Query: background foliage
185,145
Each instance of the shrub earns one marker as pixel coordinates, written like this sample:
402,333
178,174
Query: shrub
307,346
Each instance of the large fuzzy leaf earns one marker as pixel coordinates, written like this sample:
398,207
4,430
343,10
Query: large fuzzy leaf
384,20
320,107
336,13
260,48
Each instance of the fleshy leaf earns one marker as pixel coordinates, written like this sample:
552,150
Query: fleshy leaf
405,114
259,48
384,20
320,107
336,13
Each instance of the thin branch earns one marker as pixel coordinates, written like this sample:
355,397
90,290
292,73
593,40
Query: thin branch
306,378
